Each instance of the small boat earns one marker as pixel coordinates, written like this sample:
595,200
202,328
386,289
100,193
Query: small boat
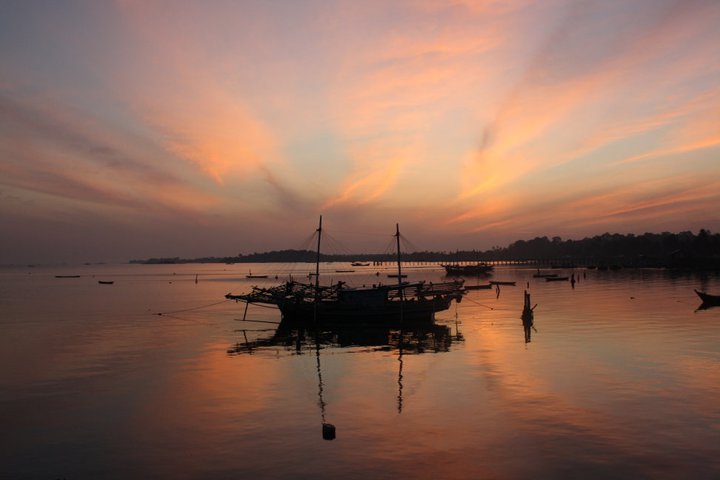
250,275
501,282
479,287
67,276
544,275
360,264
344,271
106,282
395,275
557,279
708,299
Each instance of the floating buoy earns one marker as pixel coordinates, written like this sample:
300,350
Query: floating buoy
328,431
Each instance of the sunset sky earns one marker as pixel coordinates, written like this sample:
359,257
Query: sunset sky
132,129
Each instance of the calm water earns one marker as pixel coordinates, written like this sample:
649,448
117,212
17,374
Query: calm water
621,379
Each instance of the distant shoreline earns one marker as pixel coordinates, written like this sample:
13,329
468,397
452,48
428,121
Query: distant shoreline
683,250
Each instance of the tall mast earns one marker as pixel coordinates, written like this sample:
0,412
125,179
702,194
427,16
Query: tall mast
317,262
397,237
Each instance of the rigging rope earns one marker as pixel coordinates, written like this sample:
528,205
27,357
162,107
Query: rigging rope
192,308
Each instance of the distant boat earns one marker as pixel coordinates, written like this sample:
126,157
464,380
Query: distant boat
67,276
344,271
250,275
487,286
557,279
501,282
540,274
395,275
106,282
708,299
474,269
360,264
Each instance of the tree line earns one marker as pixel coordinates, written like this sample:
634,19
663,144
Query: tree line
681,250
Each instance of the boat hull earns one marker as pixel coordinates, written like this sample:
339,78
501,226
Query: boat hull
708,299
410,310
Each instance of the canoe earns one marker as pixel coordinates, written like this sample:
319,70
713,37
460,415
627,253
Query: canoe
67,276
557,279
478,287
708,299
499,282
106,282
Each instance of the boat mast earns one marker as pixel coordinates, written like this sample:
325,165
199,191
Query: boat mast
317,262
397,237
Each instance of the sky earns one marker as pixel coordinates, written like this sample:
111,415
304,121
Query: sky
135,129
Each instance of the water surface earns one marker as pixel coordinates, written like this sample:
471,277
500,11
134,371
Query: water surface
620,378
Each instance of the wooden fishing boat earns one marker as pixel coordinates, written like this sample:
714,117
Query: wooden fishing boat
106,282
338,302
557,279
395,275
708,299
501,282
487,286
360,264
67,276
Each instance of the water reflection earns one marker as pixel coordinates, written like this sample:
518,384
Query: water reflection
298,338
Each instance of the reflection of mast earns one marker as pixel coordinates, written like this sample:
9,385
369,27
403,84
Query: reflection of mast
400,374
328,429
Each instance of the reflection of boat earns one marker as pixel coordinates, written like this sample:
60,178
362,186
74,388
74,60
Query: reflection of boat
300,337
474,269
707,299
339,302
501,282
360,264
106,282
557,279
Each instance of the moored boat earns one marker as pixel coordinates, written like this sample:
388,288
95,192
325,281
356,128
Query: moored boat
501,282
708,299
557,279
106,282
403,301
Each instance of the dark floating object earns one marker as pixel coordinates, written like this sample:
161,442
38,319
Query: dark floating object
557,279
501,282
328,431
709,300
360,264
67,276
106,282
479,287
395,275
344,271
